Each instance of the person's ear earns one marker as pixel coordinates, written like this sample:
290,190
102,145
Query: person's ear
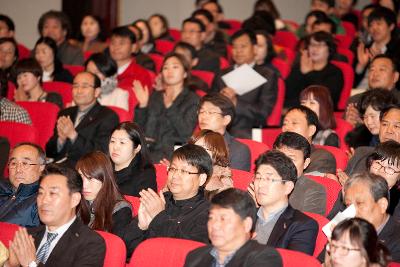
65,33
391,27
97,92
289,186
195,61
202,36
306,163
383,204
311,130
226,120
134,48
185,75
202,179
248,224
137,149
255,49
76,199
396,77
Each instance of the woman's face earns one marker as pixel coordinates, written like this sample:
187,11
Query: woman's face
7,55
389,171
44,55
121,149
261,48
173,72
90,28
345,254
311,103
371,120
318,51
309,22
91,67
157,26
145,31
91,187
27,81
202,143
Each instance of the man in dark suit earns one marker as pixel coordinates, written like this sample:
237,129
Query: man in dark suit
63,240
84,127
278,224
230,225
253,107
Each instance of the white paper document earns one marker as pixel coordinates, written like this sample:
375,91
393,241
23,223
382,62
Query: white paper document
350,212
243,79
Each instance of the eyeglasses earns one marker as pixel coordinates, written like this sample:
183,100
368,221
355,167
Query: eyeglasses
205,112
23,164
387,169
83,86
260,178
173,170
342,250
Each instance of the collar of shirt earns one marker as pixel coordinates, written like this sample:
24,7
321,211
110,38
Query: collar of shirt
123,68
251,65
380,228
214,254
271,216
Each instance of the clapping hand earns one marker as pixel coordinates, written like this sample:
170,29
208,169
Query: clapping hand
141,92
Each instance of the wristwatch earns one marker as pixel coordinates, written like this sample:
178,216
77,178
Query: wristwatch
32,264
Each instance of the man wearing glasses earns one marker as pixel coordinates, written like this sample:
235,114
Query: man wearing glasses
82,128
18,193
181,212
278,224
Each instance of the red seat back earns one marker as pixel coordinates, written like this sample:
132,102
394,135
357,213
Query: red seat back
349,28
175,34
43,116
339,154
223,63
18,132
158,61
321,240
162,252
348,78
332,189
62,88
274,119
269,135
135,202
291,258
115,250
286,39
241,179
23,52
206,76
394,264
342,128
347,53
234,25
256,149
164,46
282,66
74,69
123,115
161,175
87,54
343,40
11,89
7,232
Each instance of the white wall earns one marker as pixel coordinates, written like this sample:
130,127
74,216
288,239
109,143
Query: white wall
26,14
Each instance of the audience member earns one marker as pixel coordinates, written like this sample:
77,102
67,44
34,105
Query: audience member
260,21
62,240
92,37
265,52
231,222
182,211
304,121
269,6
7,29
324,24
45,52
106,69
168,117
216,10
318,99
215,146
253,107
308,195
315,68
278,224
8,58
306,28
194,32
102,205
56,25
122,44
18,193
147,42
159,27
11,112
29,79
84,127
133,168
216,113
354,243
345,10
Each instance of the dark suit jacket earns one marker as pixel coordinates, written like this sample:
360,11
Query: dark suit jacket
70,54
208,60
322,161
251,254
239,153
93,133
252,108
79,246
390,237
295,231
358,162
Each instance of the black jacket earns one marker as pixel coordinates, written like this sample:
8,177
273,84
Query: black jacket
185,219
251,254
133,179
390,237
19,206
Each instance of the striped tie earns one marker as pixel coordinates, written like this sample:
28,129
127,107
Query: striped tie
42,254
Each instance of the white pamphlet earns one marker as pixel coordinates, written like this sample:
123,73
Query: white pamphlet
348,213
243,79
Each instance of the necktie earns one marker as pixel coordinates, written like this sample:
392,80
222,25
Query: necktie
43,252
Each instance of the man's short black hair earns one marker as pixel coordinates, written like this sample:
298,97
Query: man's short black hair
326,20
39,149
325,37
382,13
74,181
283,165
330,3
104,63
15,45
123,31
205,13
195,21
58,15
237,200
294,141
311,117
251,34
195,156
260,20
188,47
221,101
8,21
387,109
392,61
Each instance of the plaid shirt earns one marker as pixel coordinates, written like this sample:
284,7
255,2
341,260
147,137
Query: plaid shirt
9,111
